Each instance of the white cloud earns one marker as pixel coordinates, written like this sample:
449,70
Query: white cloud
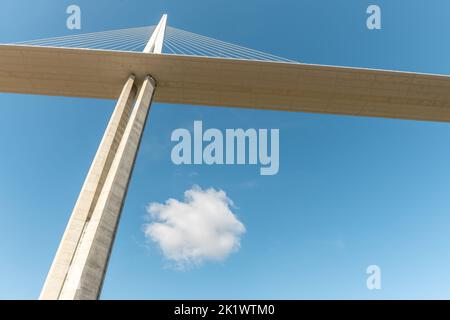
202,228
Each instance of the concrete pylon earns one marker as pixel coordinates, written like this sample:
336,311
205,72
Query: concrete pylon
89,194
85,277
80,264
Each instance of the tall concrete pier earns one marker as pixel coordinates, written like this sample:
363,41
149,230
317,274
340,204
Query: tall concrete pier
80,264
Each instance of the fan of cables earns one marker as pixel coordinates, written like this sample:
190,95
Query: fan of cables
176,41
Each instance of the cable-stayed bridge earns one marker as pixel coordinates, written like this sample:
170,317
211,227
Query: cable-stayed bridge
95,65
168,65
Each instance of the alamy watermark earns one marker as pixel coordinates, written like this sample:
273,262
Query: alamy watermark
74,19
235,146
374,280
374,20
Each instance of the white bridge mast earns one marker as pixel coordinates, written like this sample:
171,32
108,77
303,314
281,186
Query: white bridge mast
80,264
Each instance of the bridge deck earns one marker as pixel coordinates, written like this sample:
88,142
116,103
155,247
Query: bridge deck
227,82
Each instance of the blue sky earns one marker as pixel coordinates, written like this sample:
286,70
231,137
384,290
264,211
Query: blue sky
351,192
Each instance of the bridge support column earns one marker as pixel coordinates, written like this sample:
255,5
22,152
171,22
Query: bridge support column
79,268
